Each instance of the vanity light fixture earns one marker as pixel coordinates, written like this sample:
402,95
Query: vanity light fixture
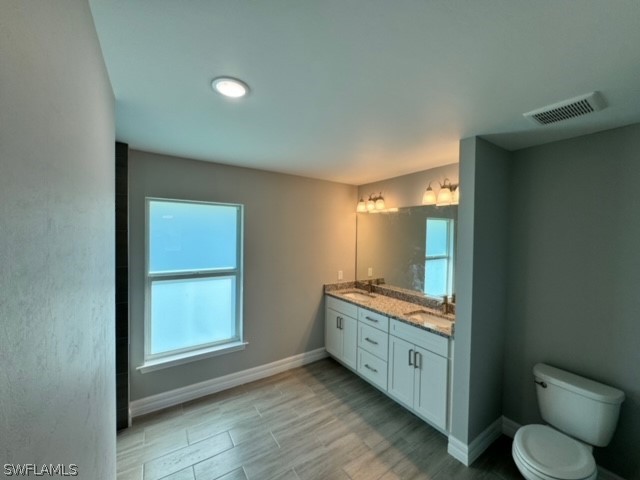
449,194
230,87
375,204
429,196
362,206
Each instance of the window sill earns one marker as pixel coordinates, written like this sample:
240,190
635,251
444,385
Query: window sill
188,357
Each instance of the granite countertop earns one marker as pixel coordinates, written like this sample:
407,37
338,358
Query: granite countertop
440,324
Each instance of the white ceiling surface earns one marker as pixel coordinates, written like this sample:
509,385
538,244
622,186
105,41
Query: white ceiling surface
359,90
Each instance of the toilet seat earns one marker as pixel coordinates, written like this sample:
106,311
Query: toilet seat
550,454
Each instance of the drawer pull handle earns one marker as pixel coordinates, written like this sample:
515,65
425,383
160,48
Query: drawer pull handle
417,360
370,368
375,320
411,357
371,341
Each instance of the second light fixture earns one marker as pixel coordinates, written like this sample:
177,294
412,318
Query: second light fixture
373,204
449,194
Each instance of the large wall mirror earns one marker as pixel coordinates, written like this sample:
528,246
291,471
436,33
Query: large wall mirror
413,249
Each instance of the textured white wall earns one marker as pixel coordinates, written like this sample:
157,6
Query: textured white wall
57,389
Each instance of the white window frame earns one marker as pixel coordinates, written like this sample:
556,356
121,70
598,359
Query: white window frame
448,256
196,352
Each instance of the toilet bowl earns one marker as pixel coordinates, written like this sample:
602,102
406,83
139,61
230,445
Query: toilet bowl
542,453
581,413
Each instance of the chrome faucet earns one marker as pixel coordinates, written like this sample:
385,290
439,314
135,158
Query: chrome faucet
370,286
446,306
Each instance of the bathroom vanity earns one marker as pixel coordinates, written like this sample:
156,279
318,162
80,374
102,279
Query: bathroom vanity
402,348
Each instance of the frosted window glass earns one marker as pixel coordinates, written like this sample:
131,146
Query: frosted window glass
192,312
192,236
437,237
436,275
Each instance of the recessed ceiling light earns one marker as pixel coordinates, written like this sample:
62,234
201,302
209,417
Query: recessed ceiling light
230,87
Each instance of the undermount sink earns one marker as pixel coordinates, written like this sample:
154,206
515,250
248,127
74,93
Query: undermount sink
429,320
360,296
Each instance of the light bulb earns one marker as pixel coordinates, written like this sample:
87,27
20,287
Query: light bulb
230,87
371,205
380,203
444,197
362,207
455,199
429,196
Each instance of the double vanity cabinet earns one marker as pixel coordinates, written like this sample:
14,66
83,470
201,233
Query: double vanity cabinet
409,363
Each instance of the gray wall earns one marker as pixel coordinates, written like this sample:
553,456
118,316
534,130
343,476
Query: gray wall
298,233
407,190
574,276
481,273
57,386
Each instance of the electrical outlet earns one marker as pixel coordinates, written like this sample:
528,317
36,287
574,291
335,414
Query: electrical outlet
340,275
370,272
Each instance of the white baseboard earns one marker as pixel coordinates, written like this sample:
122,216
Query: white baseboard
509,428
467,454
157,402
458,450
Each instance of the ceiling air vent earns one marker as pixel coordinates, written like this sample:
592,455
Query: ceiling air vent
574,107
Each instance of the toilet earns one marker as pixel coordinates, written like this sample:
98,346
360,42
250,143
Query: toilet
580,413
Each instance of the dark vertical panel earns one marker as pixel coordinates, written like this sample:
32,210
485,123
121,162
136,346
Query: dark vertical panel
122,285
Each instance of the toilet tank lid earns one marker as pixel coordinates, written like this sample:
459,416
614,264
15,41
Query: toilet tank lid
580,385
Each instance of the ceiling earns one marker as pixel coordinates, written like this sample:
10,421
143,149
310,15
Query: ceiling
360,90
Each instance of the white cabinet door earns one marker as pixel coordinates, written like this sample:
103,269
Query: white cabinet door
349,329
332,333
341,337
430,395
401,376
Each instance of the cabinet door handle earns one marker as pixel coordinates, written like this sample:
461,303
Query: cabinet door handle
371,341
375,320
337,322
411,357
417,361
370,368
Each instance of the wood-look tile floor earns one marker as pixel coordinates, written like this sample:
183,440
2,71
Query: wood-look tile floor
319,421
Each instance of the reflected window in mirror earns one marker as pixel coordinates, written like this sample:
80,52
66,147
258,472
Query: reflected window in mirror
439,261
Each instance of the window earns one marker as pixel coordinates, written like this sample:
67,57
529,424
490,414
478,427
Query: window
438,267
193,281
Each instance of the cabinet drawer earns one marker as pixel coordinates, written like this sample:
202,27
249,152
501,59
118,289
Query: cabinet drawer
374,319
422,338
373,340
341,307
372,368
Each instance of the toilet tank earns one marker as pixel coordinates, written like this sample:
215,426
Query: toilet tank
582,408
